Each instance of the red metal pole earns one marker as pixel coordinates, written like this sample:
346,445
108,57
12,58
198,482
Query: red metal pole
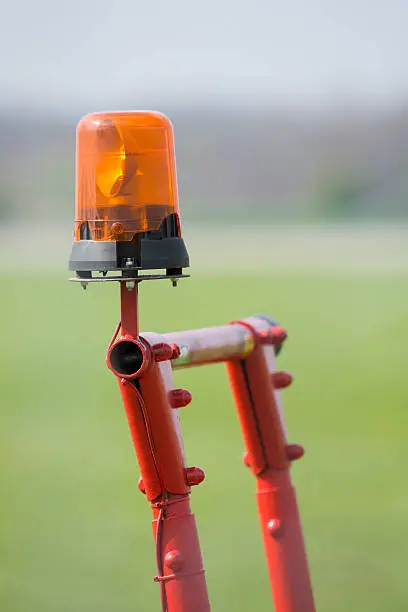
129,318
165,480
180,564
149,399
269,456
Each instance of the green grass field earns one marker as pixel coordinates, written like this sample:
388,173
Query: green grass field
75,531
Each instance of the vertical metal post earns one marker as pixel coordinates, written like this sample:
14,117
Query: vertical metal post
129,316
269,456
166,481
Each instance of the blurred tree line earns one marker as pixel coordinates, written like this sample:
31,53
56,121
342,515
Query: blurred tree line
266,164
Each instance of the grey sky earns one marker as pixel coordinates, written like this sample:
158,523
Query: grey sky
90,53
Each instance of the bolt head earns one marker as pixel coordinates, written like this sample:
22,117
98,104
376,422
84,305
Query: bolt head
174,560
194,476
274,527
281,380
179,398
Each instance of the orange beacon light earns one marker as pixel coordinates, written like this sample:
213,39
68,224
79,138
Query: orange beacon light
126,210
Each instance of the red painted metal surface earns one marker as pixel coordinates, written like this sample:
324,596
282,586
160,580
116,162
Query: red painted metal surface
129,316
151,405
283,542
179,561
165,480
268,455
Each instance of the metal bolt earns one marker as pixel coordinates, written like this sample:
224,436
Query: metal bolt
176,351
274,335
162,351
294,451
179,398
281,380
174,560
130,285
274,527
194,475
129,262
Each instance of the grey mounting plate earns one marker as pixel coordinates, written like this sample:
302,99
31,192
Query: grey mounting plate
125,279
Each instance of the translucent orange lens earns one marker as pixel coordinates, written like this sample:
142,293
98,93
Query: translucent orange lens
126,175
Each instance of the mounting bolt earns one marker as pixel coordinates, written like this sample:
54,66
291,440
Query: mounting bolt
179,398
294,452
281,380
274,527
176,351
162,351
130,285
194,475
274,335
174,560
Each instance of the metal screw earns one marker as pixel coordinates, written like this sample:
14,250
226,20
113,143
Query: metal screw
130,285
129,262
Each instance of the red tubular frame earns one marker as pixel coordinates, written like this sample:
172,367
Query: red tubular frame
151,407
268,455
164,478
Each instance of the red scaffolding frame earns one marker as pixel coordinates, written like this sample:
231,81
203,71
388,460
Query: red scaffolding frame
143,365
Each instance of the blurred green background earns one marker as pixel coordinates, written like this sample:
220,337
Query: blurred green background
291,131
75,531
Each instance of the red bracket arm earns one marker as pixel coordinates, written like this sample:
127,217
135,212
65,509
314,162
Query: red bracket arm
269,457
